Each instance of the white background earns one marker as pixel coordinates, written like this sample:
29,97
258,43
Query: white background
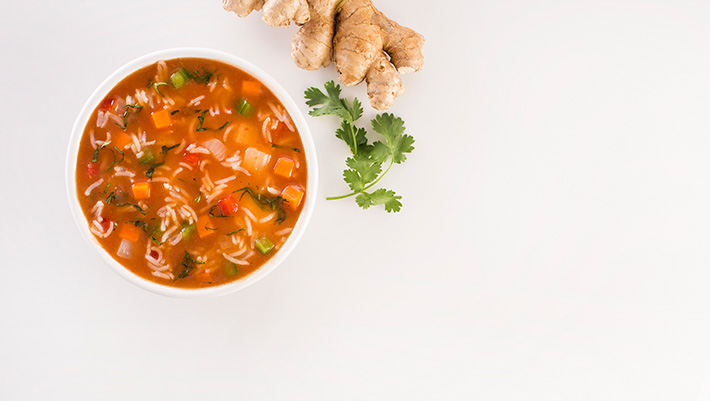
553,243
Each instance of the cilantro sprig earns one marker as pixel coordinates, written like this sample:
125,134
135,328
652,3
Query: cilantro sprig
365,166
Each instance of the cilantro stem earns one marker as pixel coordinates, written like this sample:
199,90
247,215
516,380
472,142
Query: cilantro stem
365,188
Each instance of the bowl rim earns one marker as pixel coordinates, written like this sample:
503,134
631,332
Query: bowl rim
188,52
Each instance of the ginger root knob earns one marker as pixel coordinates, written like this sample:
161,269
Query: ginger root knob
366,46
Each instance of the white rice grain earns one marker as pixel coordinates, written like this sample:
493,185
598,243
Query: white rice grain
248,224
167,233
197,149
225,180
235,260
136,144
240,252
190,211
177,171
98,209
162,275
116,119
266,131
283,232
216,193
196,101
93,186
162,70
267,218
176,239
124,174
101,118
249,213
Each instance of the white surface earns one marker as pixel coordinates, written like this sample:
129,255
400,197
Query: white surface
552,245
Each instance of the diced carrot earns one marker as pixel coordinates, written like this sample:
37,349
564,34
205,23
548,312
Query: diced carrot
204,226
121,139
141,190
284,167
292,196
251,88
227,205
129,232
255,160
161,119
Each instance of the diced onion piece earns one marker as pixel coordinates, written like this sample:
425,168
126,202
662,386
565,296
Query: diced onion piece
255,159
216,147
125,250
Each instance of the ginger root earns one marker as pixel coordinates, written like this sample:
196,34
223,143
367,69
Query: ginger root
366,46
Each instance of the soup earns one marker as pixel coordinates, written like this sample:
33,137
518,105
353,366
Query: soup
191,173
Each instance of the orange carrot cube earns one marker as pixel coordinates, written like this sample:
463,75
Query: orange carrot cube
204,226
129,232
251,89
284,167
120,140
141,190
292,195
161,119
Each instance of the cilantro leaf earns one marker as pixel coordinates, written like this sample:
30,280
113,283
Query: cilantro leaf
396,144
353,136
355,109
332,104
366,168
380,197
354,180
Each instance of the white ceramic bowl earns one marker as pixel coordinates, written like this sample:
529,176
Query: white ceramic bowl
100,93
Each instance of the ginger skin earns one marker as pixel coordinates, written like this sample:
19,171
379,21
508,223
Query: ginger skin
367,45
